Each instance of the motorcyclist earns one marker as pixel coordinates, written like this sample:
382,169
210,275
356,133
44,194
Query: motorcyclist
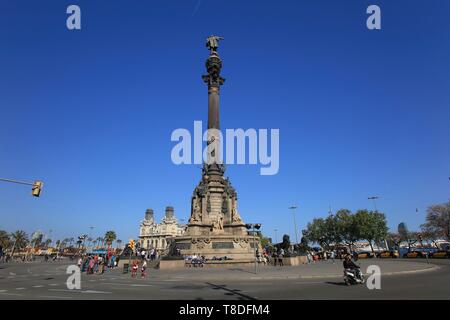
349,264
352,267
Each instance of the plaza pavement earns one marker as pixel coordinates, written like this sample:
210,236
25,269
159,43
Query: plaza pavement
401,279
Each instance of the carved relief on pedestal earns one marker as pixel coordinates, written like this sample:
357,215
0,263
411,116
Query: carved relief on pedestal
235,218
200,243
217,224
196,214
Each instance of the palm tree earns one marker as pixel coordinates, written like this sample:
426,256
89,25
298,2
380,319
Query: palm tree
5,240
100,241
110,236
47,243
36,242
20,240
65,241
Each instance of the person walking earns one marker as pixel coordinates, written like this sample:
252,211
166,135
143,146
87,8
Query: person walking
134,269
275,258
280,258
90,269
333,255
143,268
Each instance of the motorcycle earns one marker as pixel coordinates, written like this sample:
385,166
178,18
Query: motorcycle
353,276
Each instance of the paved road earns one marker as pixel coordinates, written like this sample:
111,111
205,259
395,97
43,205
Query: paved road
48,281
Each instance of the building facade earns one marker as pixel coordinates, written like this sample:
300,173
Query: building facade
156,235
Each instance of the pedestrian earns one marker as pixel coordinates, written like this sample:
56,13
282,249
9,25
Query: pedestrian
280,258
90,269
332,256
95,267
79,263
144,268
274,258
134,269
152,255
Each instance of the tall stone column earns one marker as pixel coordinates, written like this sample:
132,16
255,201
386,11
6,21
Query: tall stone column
214,81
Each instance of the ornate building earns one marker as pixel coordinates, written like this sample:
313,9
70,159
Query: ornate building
157,235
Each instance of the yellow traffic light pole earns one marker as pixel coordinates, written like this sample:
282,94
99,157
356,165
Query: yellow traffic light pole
37,185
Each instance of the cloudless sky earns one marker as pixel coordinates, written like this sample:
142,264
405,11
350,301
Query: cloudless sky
90,112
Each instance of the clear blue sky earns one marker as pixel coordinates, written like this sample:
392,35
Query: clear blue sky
91,112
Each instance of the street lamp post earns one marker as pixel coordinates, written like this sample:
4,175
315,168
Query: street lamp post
254,226
50,237
293,208
374,198
91,235
276,237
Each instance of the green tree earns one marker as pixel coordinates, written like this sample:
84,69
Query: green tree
5,240
324,231
20,239
37,241
264,241
47,242
347,227
99,240
371,226
110,236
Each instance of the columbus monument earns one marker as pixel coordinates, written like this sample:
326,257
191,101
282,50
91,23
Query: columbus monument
215,228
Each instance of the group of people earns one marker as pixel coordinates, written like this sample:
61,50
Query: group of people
277,257
135,268
195,260
151,255
97,264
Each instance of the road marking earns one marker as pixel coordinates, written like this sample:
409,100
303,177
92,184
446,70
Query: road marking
128,284
20,288
80,291
38,286
53,284
93,291
11,294
55,297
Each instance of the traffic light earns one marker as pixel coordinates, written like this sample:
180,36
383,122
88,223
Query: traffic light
36,190
131,244
420,238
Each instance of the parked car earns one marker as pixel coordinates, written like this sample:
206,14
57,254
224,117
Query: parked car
365,255
415,254
441,254
388,254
